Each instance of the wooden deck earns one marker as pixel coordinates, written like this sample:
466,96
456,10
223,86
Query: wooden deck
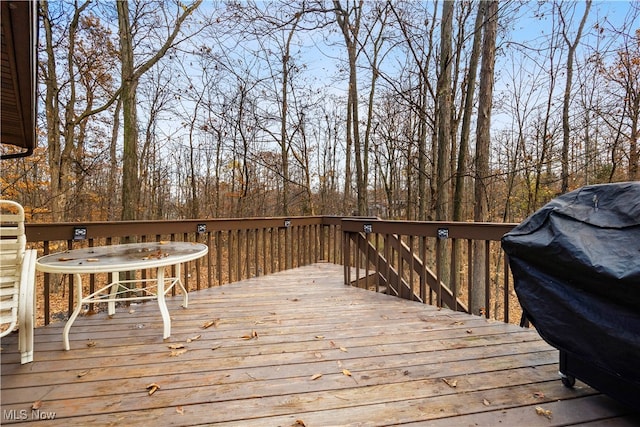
296,348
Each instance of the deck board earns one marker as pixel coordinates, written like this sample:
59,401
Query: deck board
382,360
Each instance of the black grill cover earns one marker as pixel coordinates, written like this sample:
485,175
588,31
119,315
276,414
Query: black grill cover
576,268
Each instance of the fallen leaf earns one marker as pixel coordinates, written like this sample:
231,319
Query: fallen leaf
485,402
153,387
318,355
216,347
538,395
92,344
176,353
346,372
543,412
176,346
299,423
194,338
252,335
92,260
210,323
451,383
343,349
82,373
385,317
469,331
36,405
315,376
332,344
319,337
180,410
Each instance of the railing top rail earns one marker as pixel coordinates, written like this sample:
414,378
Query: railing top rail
101,229
96,229
456,230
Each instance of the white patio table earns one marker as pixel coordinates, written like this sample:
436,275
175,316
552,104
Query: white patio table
114,259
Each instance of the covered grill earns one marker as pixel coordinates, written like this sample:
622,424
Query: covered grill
576,268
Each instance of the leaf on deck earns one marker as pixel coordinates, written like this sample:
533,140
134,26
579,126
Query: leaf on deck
315,376
152,388
213,322
450,383
36,405
194,338
253,335
176,353
180,410
543,412
176,346
346,372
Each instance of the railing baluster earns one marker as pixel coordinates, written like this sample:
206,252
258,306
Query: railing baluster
47,288
487,279
506,287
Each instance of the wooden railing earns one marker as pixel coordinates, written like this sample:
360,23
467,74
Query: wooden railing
407,259
431,262
238,249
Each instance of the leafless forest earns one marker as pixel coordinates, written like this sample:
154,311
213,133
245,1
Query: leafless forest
421,110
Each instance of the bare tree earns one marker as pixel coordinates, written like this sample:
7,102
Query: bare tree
349,22
445,105
130,77
483,141
566,101
66,110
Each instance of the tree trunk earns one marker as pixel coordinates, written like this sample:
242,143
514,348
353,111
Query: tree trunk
566,129
130,179
445,104
483,140
350,33
463,155
130,75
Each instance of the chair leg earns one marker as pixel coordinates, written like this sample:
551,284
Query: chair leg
26,307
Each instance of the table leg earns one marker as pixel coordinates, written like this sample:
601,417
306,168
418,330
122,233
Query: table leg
76,311
185,295
162,303
115,287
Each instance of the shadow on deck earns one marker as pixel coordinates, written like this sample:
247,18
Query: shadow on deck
296,348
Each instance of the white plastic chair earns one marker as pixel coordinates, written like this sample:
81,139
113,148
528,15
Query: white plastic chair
17,278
